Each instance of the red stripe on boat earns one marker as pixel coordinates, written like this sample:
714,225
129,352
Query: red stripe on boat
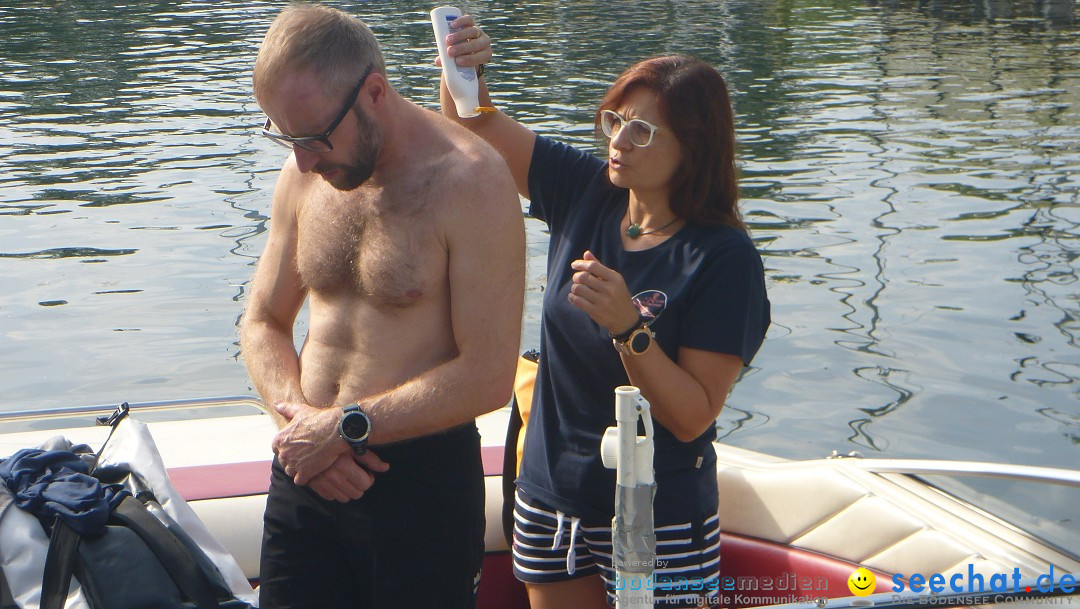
198,482
220,481
493,460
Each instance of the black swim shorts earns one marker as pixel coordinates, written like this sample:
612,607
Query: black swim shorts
415,539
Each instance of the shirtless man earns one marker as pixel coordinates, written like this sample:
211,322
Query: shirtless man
397,228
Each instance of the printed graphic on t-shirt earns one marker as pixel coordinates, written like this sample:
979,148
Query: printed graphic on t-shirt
650,304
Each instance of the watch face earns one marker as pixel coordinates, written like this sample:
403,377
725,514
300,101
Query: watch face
355,426
640,341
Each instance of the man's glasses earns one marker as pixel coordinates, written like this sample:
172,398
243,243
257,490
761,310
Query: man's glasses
316,143
640,132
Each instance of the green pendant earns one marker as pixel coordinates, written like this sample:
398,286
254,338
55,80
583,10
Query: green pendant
633,231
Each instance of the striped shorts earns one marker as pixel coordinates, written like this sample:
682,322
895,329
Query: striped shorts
550,547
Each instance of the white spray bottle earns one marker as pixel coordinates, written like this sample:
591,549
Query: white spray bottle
462,82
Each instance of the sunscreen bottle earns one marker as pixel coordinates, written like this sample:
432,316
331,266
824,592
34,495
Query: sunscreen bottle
462,83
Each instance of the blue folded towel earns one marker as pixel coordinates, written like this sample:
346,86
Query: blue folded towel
51,483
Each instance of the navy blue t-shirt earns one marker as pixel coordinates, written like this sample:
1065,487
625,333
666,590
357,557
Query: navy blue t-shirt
704,286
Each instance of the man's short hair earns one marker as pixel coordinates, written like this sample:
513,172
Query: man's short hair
327,41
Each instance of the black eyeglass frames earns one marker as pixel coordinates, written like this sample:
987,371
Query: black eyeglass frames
316,143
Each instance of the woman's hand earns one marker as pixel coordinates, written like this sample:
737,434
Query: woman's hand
467,44
602,293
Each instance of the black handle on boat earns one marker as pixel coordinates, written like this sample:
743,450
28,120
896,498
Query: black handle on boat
117,415
112,421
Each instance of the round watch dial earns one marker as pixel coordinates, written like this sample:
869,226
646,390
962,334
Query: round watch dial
355,426
640,341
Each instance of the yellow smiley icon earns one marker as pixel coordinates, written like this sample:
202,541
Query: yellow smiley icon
861,582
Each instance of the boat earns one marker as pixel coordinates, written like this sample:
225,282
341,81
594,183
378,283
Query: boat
794,531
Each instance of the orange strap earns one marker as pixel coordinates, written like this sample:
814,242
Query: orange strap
523,391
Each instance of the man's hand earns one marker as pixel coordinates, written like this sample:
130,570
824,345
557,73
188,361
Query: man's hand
348,477
309,443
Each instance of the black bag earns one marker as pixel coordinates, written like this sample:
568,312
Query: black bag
142,559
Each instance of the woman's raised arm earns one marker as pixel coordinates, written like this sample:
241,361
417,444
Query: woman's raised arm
471,47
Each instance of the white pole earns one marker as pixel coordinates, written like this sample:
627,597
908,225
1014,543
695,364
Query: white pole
633,539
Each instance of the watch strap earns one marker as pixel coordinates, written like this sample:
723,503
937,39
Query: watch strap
622,337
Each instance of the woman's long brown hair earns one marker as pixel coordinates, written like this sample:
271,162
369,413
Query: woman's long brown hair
694,101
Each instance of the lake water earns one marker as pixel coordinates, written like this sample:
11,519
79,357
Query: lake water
911,174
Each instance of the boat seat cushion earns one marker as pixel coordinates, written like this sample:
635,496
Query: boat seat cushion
780,505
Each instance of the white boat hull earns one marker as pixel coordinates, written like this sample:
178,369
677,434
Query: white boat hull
792,530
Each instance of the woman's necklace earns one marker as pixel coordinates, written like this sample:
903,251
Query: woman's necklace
634,230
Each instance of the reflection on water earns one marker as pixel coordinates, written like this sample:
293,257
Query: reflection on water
1041,12
910,172
129,178
915,165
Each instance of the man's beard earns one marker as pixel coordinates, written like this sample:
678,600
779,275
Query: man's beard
365,154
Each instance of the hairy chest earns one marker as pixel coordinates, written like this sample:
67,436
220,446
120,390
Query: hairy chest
388,259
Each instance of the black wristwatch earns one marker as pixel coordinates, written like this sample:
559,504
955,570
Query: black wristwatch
354,428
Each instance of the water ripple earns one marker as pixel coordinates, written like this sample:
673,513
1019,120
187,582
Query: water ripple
68,252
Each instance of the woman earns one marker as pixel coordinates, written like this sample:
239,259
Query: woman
652,281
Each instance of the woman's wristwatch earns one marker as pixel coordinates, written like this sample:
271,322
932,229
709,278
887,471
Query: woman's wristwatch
634,341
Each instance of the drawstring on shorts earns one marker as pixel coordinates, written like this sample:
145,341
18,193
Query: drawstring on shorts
560,528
